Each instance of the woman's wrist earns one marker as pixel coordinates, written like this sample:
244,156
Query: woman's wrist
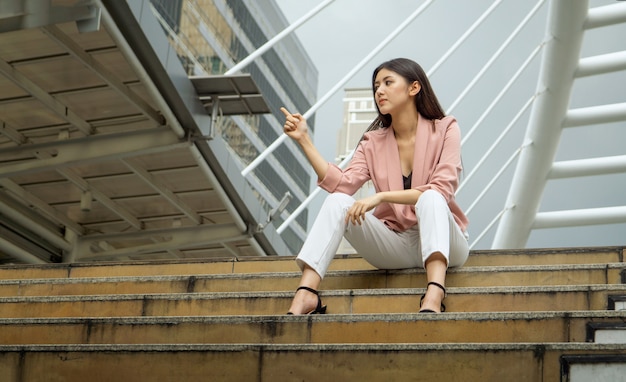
305,140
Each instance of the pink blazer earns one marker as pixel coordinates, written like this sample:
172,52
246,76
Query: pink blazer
436,166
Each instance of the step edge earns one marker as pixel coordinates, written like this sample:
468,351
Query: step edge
367,347
621,288
335,273
490,252
330,318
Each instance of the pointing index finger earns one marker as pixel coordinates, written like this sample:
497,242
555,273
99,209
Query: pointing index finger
285,112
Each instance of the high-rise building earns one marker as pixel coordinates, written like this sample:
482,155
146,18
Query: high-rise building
211,36
358,113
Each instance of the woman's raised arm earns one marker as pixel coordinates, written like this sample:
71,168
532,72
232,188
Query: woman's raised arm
296,128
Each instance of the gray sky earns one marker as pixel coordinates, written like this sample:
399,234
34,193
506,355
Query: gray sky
346,31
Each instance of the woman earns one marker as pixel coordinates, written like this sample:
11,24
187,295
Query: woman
412,155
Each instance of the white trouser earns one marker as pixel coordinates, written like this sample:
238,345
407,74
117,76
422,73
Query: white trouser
382,247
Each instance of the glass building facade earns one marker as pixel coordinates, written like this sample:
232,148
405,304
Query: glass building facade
212,36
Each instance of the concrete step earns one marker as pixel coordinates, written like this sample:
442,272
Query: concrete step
307,362
546,256
577,274
383,300
551,256
491,327
224,320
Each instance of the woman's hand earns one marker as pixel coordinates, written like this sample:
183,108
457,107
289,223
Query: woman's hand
356,213
295,125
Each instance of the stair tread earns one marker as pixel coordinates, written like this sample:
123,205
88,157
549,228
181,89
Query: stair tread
236,362
321,318
387,300
577,274
511,307
377,347
451,272
271,263
327,292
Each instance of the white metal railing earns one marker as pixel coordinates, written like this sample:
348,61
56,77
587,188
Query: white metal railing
487,188
308,200
282,34
532,152
573,218
595,114
585,167
604,63
488,227
463,37
569,21
444,57
338,86
500,95
575,117
495,144
430,72
489,185
606,15
495,56
475,80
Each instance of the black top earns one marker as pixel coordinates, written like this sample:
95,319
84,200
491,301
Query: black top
407,181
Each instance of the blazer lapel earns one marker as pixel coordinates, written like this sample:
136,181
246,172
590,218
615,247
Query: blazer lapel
392,157
426,149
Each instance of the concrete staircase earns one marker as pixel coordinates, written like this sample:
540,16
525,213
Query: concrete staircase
529,315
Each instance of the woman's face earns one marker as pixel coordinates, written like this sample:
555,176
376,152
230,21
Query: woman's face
392,92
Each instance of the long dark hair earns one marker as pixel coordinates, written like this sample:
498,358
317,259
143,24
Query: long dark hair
426,101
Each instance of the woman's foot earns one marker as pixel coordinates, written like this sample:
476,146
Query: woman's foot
432,301
306,301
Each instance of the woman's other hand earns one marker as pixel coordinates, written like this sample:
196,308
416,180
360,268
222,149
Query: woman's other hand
356,213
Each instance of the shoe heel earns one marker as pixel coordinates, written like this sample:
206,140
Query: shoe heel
443,307
319,309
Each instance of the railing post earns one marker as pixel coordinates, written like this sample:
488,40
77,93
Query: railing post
559,64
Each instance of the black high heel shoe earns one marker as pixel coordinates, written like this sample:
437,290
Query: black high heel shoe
443,307
319,309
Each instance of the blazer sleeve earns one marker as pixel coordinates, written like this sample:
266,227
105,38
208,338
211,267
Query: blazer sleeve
348,181
445,177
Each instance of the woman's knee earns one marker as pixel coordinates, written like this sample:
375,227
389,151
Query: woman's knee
339,199
430,198
334,207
